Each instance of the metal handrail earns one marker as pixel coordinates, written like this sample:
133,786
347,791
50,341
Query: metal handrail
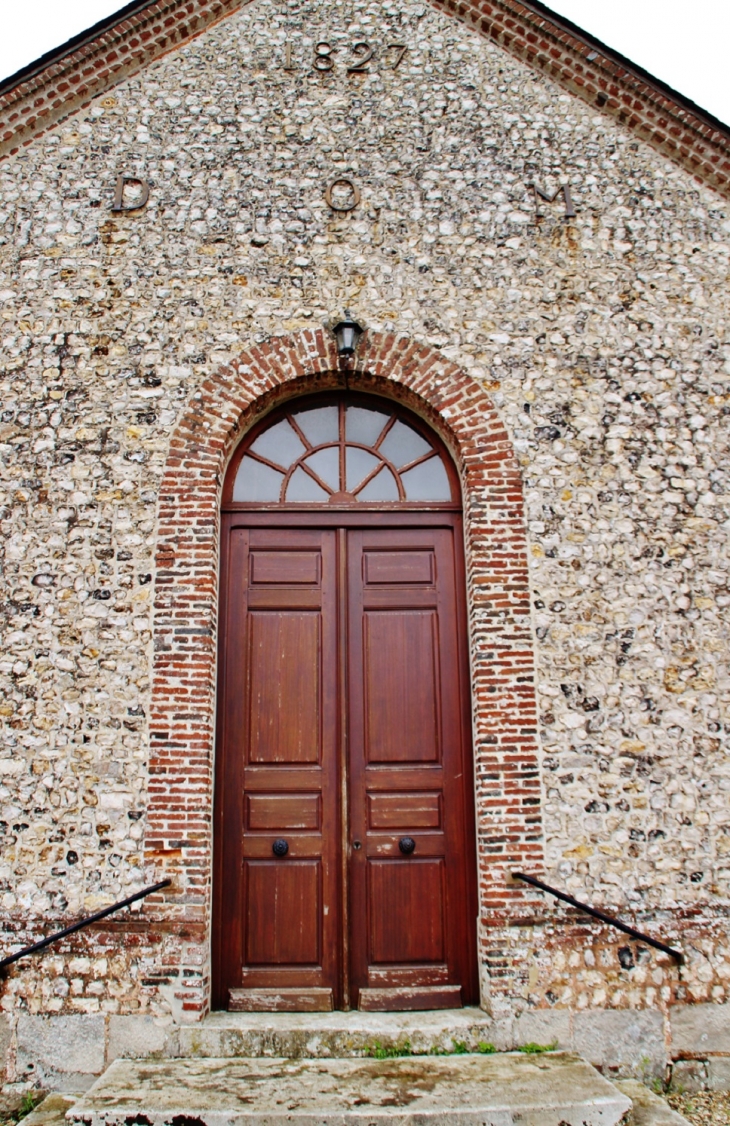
613,922
83,923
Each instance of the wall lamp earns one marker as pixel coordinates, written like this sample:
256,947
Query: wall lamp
347,333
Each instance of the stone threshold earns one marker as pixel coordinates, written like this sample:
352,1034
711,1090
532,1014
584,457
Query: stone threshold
334,1034
558,1089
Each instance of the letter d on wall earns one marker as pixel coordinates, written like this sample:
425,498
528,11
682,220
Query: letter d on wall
136,204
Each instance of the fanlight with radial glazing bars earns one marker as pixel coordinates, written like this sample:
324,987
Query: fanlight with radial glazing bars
341,453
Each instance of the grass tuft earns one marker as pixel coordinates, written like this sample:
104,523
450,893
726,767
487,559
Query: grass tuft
378,1051
533,1049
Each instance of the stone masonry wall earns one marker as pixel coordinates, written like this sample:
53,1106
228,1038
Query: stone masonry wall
602,340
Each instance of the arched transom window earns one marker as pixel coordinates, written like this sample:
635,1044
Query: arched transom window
342,450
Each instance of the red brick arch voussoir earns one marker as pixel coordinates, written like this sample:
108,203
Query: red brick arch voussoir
182,717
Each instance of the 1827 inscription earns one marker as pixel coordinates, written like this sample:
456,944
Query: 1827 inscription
361,55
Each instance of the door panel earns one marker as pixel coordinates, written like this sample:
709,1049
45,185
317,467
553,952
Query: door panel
404,811
284,658
411,889
398,567
289,567
283,910
412,914
401,685
283,811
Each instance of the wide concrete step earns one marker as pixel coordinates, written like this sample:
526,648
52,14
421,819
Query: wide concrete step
555,1089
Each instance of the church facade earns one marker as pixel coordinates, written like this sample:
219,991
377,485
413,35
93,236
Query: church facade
338,643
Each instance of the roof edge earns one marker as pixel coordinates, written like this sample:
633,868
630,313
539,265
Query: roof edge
600,76
56,54
67,79
610,52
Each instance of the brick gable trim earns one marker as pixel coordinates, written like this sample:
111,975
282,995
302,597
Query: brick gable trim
66,80
606,80
40,96
182,712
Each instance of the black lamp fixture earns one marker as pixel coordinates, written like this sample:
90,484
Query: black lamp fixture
347,333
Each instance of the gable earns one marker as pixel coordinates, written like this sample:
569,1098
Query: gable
68,79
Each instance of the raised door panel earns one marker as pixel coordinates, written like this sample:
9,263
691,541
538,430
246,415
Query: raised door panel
411,889
400,672
404,811
285,686
284,568
283,812
395,567
279,739
284,913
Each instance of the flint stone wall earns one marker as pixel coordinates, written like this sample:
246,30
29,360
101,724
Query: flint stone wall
602,341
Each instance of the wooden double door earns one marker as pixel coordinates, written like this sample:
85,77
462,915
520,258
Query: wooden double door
344,825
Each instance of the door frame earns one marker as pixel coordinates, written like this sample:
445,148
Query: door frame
220,409
335,518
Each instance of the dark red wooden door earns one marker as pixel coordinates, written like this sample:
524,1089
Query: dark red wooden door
344,733
410,842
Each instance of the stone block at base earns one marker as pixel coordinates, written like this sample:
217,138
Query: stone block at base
700,1030
689,1075
58,1053
549,1090
543,1026
711,1074
133,1037
624,1041
718,1073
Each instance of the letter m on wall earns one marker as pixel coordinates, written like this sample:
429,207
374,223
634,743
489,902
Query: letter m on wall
567,198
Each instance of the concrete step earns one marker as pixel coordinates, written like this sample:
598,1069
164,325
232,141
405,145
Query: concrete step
335,1034
52,1111
648,1109
555,1089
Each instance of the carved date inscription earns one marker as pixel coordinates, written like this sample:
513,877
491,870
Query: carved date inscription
361,55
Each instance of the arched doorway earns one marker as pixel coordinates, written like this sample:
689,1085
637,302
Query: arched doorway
345,870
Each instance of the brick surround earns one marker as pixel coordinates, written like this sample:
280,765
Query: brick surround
71,79
183,695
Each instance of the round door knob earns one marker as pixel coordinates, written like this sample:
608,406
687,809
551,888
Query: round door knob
407,845
280,847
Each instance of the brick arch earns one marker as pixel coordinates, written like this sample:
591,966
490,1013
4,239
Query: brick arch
182,715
